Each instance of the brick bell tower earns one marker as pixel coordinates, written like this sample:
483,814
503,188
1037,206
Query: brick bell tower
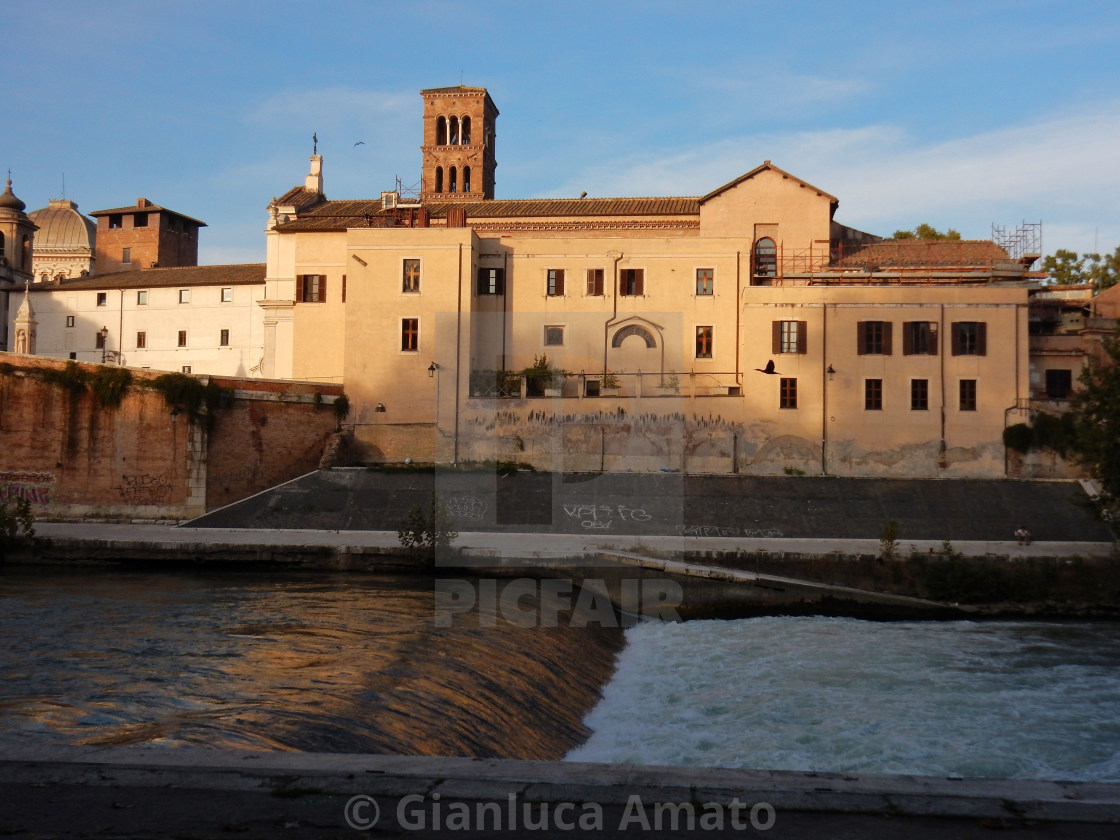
458,148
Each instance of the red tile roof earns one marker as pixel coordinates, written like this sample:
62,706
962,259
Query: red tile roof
198,275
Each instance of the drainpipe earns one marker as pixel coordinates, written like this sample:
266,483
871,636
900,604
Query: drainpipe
614,305
738,319
458,357
941,359
824,389
120,332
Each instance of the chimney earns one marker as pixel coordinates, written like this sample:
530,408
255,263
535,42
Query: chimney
143,202
314,180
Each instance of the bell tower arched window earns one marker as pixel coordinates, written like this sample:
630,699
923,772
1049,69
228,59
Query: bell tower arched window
451,185
441,132
453,131
439,179
466,131
765,258
466,179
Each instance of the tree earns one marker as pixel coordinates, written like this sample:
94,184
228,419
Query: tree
1096,412
925,231
1066,268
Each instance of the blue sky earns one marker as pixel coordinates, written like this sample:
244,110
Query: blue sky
957,114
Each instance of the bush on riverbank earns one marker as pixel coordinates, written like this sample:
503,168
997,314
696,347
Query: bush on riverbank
17,526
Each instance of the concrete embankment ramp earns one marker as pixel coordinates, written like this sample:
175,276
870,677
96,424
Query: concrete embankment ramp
130,794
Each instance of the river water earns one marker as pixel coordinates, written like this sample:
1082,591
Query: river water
355,663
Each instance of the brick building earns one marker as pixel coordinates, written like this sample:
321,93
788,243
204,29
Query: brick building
145,236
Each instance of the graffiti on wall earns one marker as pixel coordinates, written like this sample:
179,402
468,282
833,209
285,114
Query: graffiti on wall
35,487
145,489
600,517
466,507
723,531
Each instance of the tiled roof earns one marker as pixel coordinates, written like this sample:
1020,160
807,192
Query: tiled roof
904,253
299,197
198,275
339,215
768,166
455,89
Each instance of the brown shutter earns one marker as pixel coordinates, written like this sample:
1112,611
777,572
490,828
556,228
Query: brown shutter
322,288
982,338
802,337
299,288
639,281
956,338
479,287
887,325
908,328
777,336
560,282
932,332
861,338
344,288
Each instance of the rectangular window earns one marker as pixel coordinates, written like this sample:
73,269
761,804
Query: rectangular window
139,220
311,288
186,368
919,338
555,284
787,393
968,395
410,335
632,282
102,298
873,338
223,338
703,342
142,297
970,338
1059,383
873,394
227,295
69,320
410,275
789,336
114,221
554,336
182,338
141,340
184,296
491,281
594,282
919,395
99,340
126,256
705,281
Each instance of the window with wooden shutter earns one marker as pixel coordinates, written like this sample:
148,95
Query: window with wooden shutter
555,283
594,282
919,338
789,337
632,282
970,338
873,338
491,281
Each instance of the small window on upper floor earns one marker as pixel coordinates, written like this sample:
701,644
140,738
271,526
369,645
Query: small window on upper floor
140,220
873,338
69,320
789,336
142,297
126,256
184,296
227,294
970,338
311,288
410,275
102,298
787,393
919,338
491,281
114,221
410,335
632,282
705,281
223,338
141,340
182,338
554,336
594,282
704,342
554,284
765,258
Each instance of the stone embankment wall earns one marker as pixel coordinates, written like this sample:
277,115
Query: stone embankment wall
71,453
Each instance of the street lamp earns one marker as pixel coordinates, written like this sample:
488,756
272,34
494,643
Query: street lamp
432,368
104,335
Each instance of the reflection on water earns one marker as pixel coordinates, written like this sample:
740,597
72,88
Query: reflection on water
316,662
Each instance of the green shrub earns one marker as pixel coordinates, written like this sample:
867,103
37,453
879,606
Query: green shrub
17,526
424,533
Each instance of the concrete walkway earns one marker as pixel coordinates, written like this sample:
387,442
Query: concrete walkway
544,544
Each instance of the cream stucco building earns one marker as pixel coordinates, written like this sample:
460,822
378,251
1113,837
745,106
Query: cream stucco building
740,331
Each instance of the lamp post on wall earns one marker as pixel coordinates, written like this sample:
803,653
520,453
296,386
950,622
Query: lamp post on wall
103,333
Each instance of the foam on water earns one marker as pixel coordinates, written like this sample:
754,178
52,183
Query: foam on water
1028,700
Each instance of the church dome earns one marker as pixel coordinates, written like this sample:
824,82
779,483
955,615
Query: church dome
63,228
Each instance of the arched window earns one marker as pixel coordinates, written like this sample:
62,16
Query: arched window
25,254
1,246
451,185
441,132
765,258
466,179
439,179
466,131
453,131
60,276
45,277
